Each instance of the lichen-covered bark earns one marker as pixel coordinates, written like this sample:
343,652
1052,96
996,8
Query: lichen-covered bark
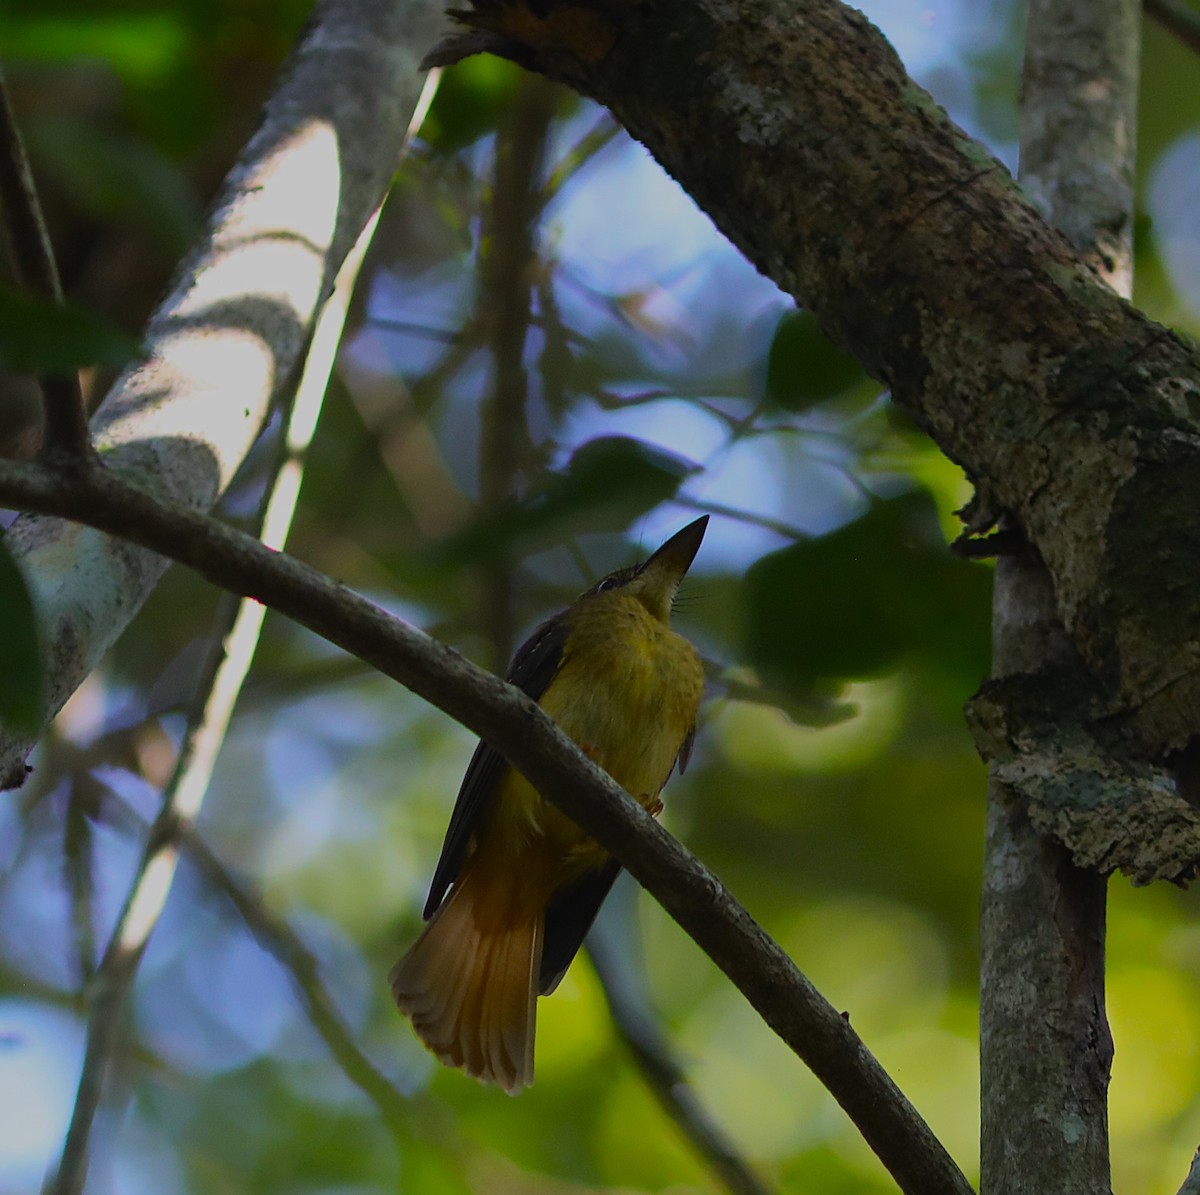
227,341
847,185
1045,1047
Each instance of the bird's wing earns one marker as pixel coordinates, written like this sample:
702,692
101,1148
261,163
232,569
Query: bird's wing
533,668
573,908
569,916
685,750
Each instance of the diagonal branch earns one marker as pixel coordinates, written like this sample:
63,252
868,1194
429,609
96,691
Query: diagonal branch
1177,18
205,732
66,414
505,717
229,339
283,944
643,1035
1191,1184
278,938
918,254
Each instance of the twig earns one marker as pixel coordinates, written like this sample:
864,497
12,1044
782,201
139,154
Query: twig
77,860
219,689
281,941
643,1035
285,946
506,276
383,323
603,133
33,257
689,892
1178,18
787,530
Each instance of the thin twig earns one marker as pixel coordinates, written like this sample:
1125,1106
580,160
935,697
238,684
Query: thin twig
77,860
506,277
219,689
662,1073
787,530
383,323
1177,18
505,717
601,134
281,941
33,258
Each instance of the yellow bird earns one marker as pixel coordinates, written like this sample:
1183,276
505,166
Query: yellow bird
524,882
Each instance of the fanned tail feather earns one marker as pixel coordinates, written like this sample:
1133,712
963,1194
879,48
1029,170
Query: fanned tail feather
469,983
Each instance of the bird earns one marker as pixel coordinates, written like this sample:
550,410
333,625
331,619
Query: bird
518,884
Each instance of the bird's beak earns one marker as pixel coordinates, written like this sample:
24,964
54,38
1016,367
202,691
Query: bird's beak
676,555
660,576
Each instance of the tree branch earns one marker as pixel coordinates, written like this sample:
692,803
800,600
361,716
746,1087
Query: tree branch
278,939
635,1022
917,253
203,737
65,413
1177,18
505,717
505,275
232,334
283,944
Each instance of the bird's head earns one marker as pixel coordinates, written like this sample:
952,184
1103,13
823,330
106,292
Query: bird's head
654,582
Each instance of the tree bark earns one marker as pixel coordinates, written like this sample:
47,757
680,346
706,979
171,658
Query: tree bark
230,337
843,181
1045,1047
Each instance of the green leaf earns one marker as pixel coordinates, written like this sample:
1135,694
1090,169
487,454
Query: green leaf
803,368
607,484
854,602
41,337
114,176
469,102
20,656
138,46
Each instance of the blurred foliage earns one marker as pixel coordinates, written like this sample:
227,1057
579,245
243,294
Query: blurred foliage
579,500
834,787
45,338
803,368
468,102
898,591
20,660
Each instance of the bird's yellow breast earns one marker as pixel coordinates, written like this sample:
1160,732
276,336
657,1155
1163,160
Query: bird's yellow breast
627,691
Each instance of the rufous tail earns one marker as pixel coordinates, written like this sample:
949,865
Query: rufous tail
469,983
